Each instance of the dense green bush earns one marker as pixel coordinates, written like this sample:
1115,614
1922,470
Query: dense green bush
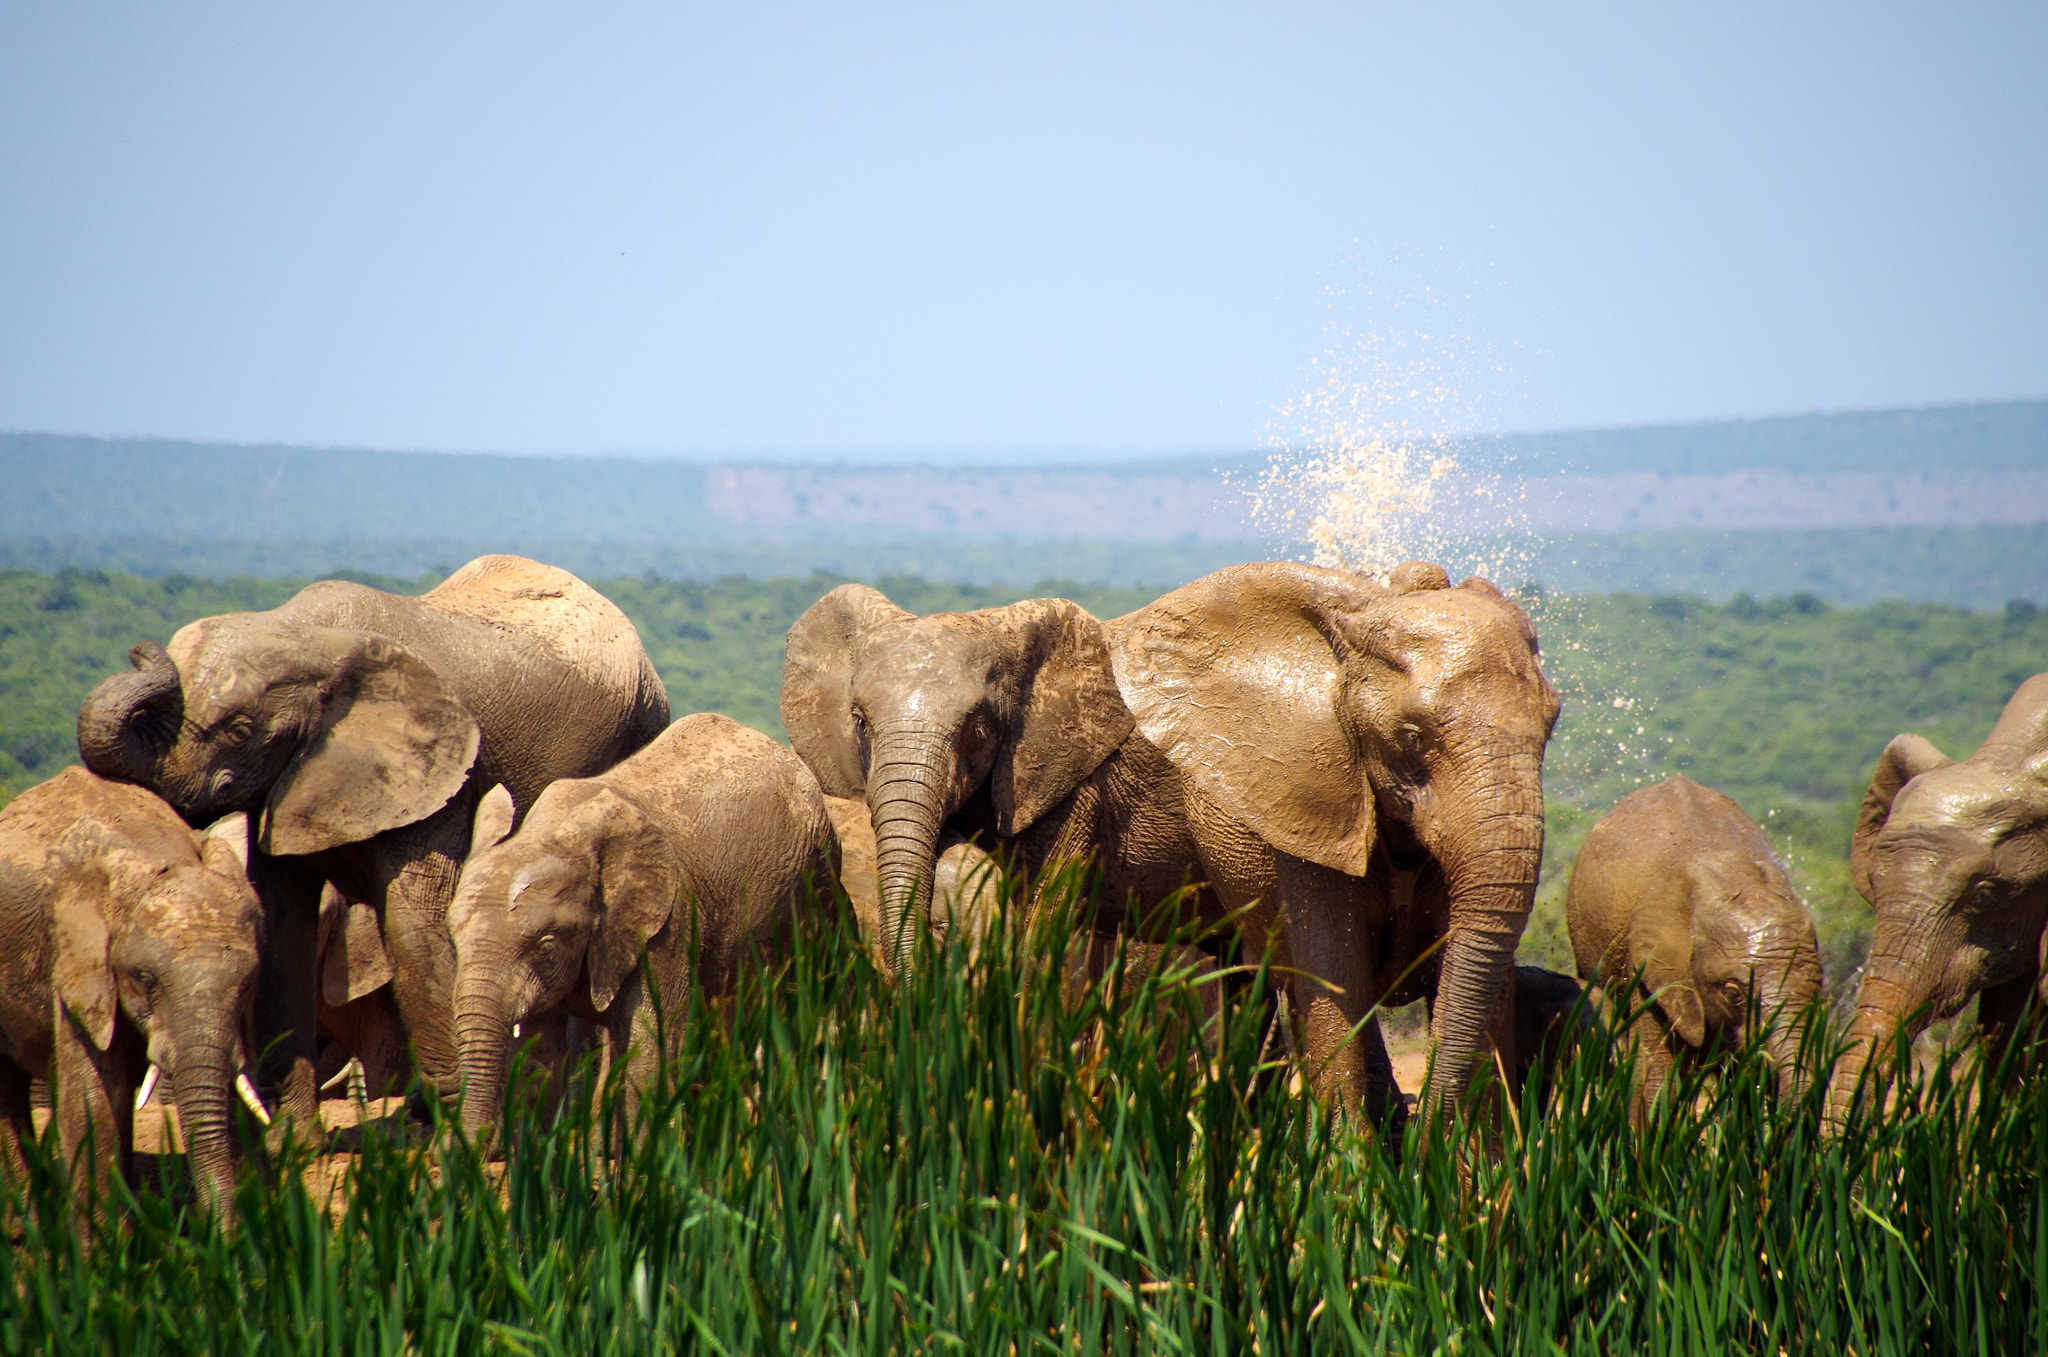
1783,704
975,1161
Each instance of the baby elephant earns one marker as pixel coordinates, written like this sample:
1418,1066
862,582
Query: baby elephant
1677,883
713,830
126,940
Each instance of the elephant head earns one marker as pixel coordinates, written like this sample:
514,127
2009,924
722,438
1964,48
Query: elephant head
555,915
1722,941
168,939
332,734
1319,708
1953,857
921,715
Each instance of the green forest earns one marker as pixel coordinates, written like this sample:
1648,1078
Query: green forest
1784,704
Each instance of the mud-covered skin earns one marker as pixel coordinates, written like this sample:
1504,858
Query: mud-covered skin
125,938
621,893
1003,727
1953,858
1677,885
359,727
1369,757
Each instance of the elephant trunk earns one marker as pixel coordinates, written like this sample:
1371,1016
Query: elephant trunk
1782,1005
1897,984
204,1080
128,721
909,780
483,1035
1491,869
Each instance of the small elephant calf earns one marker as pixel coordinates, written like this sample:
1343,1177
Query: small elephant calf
1677,884
713,833
126,939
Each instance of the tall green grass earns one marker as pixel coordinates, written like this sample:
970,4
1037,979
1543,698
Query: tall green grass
990,1157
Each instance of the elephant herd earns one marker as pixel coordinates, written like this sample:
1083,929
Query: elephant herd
395,835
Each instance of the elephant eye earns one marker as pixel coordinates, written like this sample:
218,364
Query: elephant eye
1984,892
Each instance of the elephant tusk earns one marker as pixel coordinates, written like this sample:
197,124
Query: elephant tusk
247,1091
149,1079
339,1077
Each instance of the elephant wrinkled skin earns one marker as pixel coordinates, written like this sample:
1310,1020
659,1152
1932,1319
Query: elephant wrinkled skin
1003,727
126,938
1369,758
361,726
1953,857
1676,885
697,854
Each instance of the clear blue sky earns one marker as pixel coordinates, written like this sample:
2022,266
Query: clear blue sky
975,229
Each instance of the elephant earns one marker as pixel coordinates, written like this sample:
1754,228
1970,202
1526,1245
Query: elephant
1003,727
1678,890
127,941
359,1019
360,727
1546,1003
623,892
1363,762
1953,857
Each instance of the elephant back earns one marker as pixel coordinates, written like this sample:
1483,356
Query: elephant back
567,618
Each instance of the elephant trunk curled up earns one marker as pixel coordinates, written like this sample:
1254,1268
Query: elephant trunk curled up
128,721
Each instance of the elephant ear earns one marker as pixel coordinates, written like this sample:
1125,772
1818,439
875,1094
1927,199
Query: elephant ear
817,683
82,977
1660,949
1236,678
494,816
353,958
224,846
395,745
641,879
1071,716
1905,758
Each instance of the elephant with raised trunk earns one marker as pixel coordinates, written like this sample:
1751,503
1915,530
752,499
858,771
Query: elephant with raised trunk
1953,856
1678,888
127,941
361,727
622,893
1002,726
1368,758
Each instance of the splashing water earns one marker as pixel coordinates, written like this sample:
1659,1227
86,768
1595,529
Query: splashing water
1383,458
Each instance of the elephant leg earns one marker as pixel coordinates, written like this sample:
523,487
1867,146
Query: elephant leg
17,1124
2001,1011
93,1097
1334,988
1653,1062
288,990
411,878
633,1041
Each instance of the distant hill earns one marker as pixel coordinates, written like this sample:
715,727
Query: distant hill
1945,504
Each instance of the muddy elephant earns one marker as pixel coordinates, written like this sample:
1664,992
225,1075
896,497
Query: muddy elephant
1368,759
623,893
1002,726
1678,890
1953,857
1550,1016
361,726
126,940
